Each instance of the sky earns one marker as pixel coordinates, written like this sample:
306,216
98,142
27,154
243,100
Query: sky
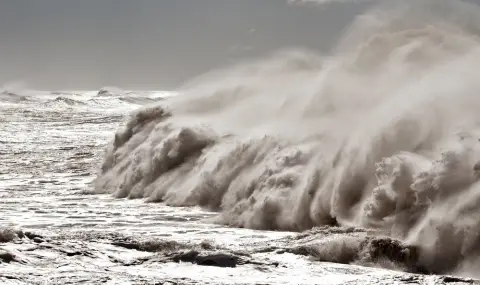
152,44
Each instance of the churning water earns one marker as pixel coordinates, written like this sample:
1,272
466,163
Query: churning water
372,152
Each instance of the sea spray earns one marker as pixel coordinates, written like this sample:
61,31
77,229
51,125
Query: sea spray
381,133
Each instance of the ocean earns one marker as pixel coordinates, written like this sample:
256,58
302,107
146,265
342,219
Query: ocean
356,167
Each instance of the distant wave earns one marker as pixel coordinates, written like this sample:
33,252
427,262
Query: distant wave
105,96
8,96
110,91
383,134
130,97
64,101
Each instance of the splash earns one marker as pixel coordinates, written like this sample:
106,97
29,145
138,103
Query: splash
382,133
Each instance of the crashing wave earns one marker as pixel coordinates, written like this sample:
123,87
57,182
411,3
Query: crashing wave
382,134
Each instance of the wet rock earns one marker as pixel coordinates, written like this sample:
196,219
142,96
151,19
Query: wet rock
210,258
410,279
127,245
32,236
219,260
452,279
7,235
38,240
206,259
6,256
149,245
72,253
9,277
20,233
186,256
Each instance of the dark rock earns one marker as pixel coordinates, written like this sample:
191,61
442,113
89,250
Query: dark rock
38,240
20,234
206,259
6,256
127,245
7,235
219,260
73,253
150,246
452,279
32,236
187,256
410,279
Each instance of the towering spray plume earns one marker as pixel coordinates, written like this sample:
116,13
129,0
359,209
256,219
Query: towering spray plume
382,133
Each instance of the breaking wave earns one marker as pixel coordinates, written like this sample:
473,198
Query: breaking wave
383,133
8,96
65,101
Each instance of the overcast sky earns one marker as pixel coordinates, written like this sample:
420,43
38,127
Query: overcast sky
151,44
